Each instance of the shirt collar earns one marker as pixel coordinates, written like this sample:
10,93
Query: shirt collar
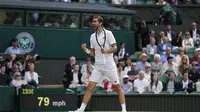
194,29
185,81
14,47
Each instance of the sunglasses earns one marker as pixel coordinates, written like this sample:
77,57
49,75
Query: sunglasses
148,67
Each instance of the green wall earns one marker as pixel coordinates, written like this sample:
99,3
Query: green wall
6,99
60,43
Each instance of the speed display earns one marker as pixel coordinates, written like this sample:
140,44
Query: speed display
31,100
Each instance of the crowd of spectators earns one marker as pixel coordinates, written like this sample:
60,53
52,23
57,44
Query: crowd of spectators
17,69
167,70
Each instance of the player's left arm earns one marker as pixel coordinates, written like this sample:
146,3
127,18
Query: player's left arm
112,50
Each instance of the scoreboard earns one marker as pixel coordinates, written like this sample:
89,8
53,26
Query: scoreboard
47,100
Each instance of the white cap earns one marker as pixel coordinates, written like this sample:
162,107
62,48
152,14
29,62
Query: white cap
125,76
144,54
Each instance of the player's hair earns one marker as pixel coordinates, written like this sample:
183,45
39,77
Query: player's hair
100,19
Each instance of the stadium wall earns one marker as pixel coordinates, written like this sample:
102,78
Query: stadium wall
7,98
60,43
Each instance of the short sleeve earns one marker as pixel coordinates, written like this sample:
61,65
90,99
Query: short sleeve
111,38
91,42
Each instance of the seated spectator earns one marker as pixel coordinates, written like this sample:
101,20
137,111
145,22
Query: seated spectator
140,65
161,2
187,42
122,53
171,85
13,71
141,84
75,77
12,60
151,48
178,40
128,65
194,31
133,73
169,65
186,84
171,35
155,85
27,61
108,86
147,72
167,54
156,65
126,85
86,70
120,72
69,67
163,46
180,55
197,41
3,76
184,65
17,82
194,73
195,57
161,37
31,77
14,49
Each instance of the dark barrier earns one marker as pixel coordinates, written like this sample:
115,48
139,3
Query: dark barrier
155,103
7,96
38,100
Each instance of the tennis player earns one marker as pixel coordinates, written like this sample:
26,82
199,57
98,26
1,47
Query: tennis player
102,47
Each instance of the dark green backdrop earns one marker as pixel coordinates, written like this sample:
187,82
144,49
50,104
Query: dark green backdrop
60,43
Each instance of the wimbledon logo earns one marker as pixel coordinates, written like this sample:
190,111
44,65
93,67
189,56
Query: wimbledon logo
26,42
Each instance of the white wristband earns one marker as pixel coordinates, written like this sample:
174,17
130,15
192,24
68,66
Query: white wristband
87,51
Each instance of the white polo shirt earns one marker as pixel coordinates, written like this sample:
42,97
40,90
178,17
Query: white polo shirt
141,85
104,62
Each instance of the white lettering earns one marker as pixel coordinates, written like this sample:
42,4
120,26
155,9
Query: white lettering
59,103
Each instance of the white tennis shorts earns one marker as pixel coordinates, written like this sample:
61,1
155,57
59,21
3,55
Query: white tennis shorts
97,75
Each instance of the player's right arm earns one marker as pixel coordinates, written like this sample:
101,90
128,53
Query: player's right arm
91,52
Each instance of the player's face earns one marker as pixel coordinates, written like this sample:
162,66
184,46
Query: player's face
96,24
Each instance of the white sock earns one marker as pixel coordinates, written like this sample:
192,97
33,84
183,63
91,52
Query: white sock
123,107
83,106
